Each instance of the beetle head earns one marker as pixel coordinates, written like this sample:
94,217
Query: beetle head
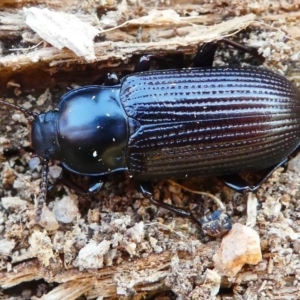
43,131
43,142
44,135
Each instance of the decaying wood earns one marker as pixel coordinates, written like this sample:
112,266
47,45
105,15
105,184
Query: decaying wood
115,52
145,250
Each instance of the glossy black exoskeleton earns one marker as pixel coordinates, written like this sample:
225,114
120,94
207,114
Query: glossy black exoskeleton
200,121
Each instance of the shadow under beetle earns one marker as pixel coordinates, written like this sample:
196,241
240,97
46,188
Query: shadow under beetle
172,124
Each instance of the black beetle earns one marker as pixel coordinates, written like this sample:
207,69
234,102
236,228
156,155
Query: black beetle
156,125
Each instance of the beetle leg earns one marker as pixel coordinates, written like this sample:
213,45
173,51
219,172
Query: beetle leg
143,64
147,192
96,183
243,48
240,185
216,224
65,179
237,183
111,79
145,61
206,53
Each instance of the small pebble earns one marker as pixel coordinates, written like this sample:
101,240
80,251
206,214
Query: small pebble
240,246
34,163
65,210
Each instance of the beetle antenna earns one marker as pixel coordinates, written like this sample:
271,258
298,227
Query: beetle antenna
43,194
23,110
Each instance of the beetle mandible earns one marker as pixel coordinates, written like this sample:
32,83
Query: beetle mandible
170,124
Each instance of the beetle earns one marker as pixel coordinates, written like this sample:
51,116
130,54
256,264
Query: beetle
172,124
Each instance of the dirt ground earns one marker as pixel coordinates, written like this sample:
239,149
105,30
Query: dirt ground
116,244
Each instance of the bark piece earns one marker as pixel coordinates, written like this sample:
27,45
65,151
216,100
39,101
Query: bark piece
63,30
